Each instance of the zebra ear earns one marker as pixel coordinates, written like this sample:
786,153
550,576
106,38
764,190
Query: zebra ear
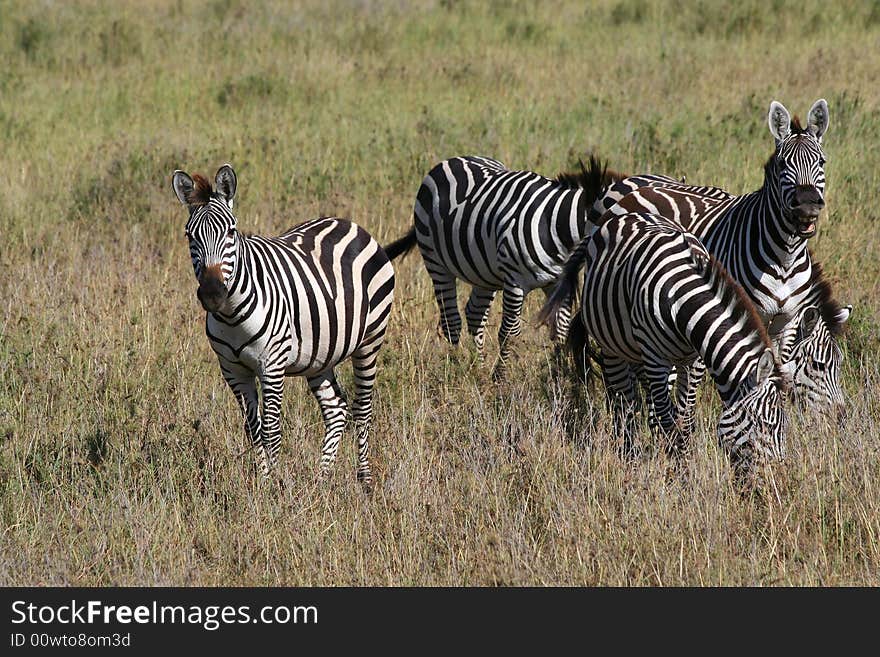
843,314
225,182
183,185
817,119
779,119
809,319
766,364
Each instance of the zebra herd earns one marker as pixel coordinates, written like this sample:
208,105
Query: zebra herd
678,280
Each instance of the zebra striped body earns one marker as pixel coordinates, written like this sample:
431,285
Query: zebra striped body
293,305
497,229
653,299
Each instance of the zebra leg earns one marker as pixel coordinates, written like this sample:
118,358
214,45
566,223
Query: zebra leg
445,293
334,410
364,363
622,396
511,325
272,387
477,312
559,334
657,375
243,384
688,380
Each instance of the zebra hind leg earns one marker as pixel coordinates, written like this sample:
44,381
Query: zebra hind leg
623,400
334,410
511,325
445,293
477,312
364,365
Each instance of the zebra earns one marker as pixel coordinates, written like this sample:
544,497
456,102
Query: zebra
498,229
760,238
293,305
652,298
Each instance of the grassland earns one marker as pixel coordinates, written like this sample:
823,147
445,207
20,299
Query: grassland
122,459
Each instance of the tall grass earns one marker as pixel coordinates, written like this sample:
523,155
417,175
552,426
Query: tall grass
122,459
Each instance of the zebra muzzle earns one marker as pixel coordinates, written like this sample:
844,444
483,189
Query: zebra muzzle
212,292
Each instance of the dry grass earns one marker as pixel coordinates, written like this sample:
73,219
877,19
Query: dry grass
121,452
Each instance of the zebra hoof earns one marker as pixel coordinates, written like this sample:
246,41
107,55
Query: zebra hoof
366,481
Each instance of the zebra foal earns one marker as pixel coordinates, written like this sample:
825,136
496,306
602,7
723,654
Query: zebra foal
293,305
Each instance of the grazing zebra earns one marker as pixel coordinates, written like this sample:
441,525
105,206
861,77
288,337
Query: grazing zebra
498,229
761,239
293,305
654,298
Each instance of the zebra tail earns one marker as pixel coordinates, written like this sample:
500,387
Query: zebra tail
402,246
565,292
582,354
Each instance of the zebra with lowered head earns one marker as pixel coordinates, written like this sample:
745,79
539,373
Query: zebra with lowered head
293,305
498,229
653,298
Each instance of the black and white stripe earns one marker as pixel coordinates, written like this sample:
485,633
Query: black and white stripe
293,305
652,299
497,229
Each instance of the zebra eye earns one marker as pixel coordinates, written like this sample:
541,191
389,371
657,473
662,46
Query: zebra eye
821,161
230,232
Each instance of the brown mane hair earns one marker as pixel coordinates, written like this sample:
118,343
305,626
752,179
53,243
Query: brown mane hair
201,192
596,175
730,289
829,308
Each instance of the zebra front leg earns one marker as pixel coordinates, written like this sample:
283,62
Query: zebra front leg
364,364
334,410
243,384
622,395
272,388
511,325
477,312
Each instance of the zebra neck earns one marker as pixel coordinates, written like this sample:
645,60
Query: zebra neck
241,292
732,379
781,244
721,331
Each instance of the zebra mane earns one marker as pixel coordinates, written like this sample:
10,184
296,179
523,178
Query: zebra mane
201,193
829,308
716,276
593,178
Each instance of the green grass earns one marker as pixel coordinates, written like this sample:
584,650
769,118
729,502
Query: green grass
122,459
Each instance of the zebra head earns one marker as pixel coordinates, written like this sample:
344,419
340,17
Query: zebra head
753,425
816,360
211,232
799,166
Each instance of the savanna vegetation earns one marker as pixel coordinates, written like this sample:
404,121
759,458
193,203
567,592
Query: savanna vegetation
122,457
